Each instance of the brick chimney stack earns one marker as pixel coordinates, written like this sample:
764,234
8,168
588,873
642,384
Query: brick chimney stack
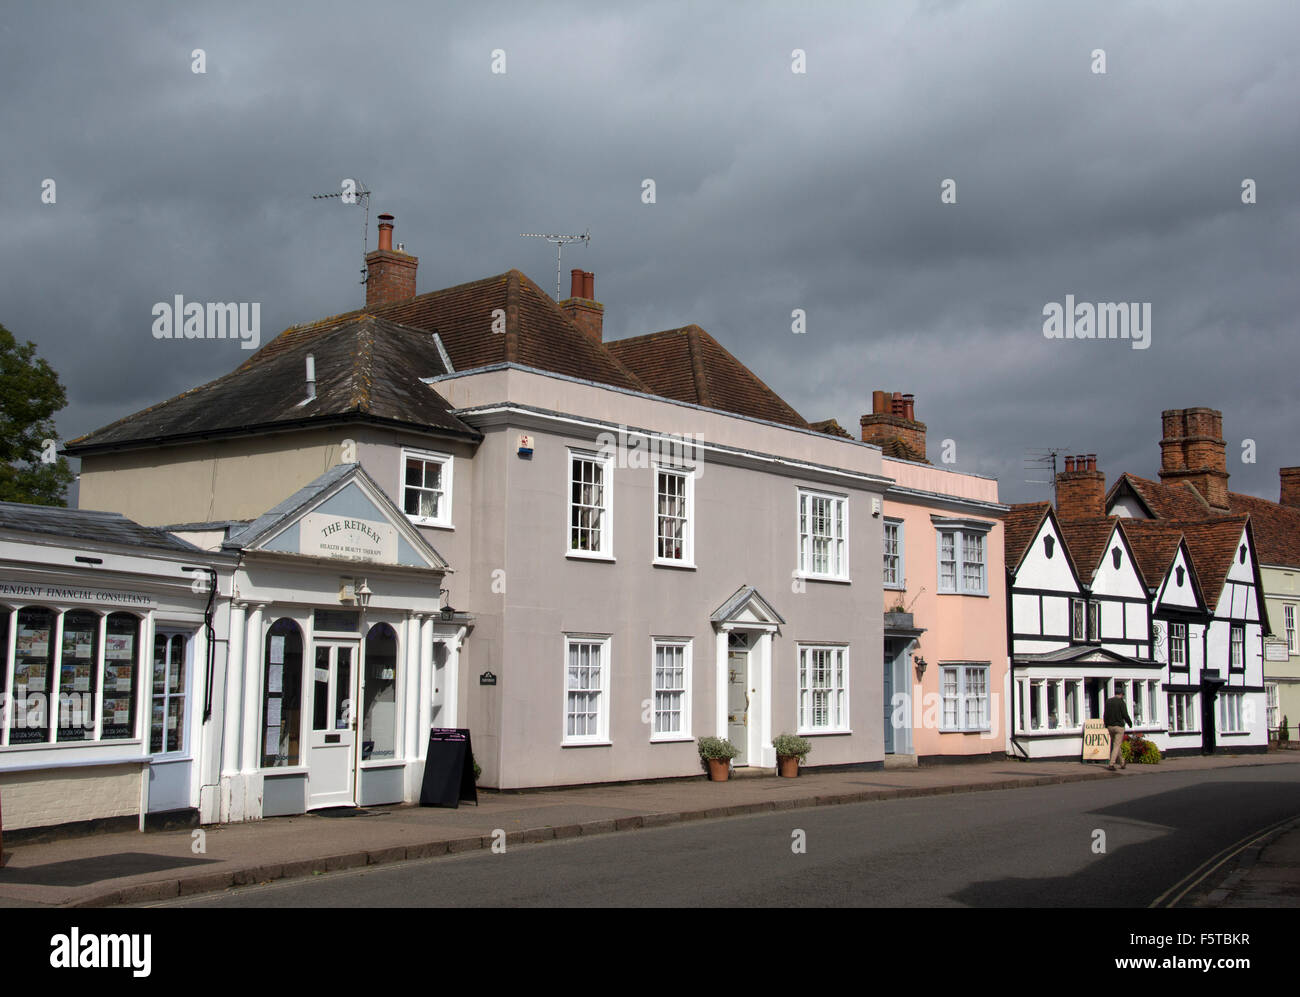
892,426
1290,486
1192,449
1080,489
581,307
390,275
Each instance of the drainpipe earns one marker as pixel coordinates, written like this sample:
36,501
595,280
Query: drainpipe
1011,673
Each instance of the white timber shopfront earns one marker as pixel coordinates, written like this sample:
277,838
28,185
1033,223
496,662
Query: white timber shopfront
340,657
103,665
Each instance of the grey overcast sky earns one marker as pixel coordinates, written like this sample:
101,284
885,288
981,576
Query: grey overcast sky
776,191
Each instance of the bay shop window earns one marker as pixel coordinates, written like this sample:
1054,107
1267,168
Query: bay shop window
68,675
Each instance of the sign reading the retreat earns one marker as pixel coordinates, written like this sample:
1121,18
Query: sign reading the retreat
75,593
346,539
1096,741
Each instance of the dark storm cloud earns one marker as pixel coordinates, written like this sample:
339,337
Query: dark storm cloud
775,191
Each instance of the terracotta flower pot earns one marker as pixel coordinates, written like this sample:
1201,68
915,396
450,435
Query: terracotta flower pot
719,769
787,766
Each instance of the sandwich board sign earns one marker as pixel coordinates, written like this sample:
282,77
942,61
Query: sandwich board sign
448,769
1096,741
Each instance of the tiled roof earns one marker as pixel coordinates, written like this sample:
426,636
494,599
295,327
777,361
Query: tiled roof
900,449
85,524
1154,543
1086,541
1019,527
1180,501
689,365
1276,528
366,367
831,427
1213,545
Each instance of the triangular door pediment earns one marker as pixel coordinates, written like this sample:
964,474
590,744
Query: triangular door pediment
747,607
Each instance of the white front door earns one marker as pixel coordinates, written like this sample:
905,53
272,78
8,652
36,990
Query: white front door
331,762
738,703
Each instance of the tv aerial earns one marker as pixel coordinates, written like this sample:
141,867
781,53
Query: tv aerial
355,192
1040,459
560,242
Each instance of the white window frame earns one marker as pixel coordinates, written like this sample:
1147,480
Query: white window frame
687,560
1271,705
839,545
1094,620
600,735
838,712
1231,709
962,531
1190,717
605,552
1180,641
1236,647
683,733
445,463
900,565
1288,615
961,697
184,695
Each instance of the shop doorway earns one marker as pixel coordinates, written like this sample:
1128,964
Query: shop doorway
332,743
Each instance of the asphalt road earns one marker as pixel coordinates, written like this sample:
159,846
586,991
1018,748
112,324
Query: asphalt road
1015,848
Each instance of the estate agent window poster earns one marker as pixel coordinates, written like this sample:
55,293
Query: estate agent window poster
29,720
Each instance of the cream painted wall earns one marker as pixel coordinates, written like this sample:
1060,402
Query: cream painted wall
63,796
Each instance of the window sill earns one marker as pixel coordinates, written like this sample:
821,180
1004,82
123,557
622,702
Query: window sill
986,730
977,595
680,565
577,555
436,524
834,579
902,587
272,771
672,739
820,731
586,744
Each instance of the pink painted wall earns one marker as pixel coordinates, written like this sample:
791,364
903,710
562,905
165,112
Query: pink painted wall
958,627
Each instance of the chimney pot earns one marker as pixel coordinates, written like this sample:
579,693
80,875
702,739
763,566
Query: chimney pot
1069,463
1092,462
577,279
589,285
390,276
879,403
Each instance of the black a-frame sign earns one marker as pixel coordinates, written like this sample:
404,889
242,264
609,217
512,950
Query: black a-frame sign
448,769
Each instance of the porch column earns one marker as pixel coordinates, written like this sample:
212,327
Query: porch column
233,693
252,689
411,687
424,700
720,682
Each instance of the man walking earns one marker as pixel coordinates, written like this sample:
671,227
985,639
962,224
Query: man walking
1116,718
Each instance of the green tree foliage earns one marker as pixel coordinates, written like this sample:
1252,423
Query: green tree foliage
30,394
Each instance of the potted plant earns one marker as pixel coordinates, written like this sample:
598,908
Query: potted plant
791,750
718,753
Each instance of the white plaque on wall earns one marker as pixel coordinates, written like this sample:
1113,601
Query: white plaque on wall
346,539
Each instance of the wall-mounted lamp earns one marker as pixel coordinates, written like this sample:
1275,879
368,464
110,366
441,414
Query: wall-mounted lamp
920,664
447,612
364,594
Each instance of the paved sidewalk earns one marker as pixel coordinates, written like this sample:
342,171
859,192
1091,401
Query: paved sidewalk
130,867
1267,874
